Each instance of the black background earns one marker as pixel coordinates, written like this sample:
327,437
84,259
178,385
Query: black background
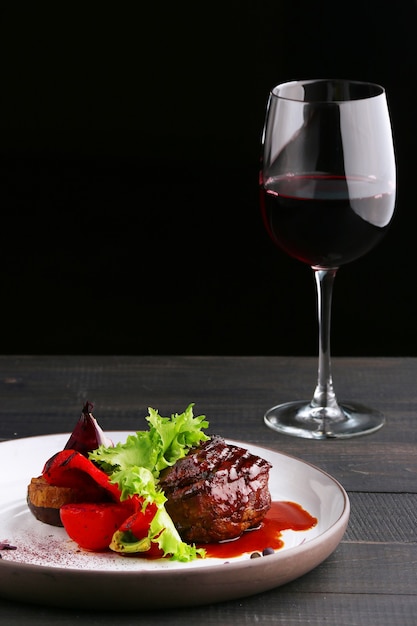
129,146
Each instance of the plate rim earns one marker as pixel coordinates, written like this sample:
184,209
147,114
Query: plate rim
333,534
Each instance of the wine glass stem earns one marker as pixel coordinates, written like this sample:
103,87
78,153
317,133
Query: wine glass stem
324,395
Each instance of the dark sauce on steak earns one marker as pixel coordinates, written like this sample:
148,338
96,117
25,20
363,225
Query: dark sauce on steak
281,516
218,498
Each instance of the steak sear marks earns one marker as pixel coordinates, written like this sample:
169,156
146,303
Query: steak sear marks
216,492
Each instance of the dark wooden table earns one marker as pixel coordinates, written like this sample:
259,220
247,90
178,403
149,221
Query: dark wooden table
370,579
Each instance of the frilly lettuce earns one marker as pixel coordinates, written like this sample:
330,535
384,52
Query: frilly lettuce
135,467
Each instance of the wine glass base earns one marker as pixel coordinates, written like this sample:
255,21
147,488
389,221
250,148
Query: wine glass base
301,419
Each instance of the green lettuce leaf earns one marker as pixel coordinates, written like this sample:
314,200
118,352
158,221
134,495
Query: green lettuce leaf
135,467
163,532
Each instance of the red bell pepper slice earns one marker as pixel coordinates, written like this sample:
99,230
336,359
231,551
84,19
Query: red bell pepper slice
70,468
92,525
138,523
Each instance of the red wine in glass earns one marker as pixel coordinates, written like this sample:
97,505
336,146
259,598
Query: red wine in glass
322,219
327,198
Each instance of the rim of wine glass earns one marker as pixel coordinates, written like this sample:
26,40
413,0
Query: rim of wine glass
374,90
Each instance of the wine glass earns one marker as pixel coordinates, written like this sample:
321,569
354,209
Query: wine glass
328,184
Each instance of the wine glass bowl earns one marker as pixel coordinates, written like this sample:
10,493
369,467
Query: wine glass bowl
328,184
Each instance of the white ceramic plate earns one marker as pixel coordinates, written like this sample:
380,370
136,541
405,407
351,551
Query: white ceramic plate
48,568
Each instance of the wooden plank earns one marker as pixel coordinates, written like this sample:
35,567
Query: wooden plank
382,517
295,609
280,606
360,465
257,382
364,568
45,394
